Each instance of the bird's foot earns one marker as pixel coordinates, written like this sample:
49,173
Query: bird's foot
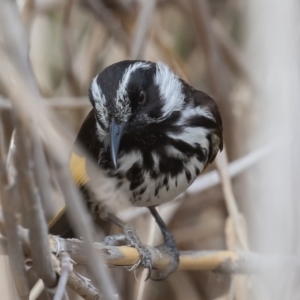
130,238
170,248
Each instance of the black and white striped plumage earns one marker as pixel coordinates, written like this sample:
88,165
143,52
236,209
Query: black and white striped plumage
172,131
151,134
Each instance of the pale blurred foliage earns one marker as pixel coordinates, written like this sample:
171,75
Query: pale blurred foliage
69,45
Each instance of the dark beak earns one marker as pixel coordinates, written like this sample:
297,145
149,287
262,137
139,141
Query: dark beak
116,132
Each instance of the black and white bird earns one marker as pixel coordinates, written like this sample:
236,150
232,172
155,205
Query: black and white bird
151,134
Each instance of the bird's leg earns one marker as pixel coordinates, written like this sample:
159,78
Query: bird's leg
169,246
130,238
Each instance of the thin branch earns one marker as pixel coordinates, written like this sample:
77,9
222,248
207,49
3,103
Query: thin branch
42,176
229,262
141,29
82,286
200,10
79,284
34,213
63,102
84,228
67,49
232,54
37,289
222,165
25,97
15,253
64,274
13,242
109,20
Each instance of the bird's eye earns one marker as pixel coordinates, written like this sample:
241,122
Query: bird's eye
142,98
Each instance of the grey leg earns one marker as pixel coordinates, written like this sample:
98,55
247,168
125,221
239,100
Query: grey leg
169,246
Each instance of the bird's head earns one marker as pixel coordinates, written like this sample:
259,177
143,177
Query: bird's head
133,94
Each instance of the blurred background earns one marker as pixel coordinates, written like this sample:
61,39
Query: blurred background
245,54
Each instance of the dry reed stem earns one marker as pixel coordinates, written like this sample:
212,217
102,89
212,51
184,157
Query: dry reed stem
142,28
15,253
110,21
24,95
80,285
219,261
33,211
222,165
57,102
63,278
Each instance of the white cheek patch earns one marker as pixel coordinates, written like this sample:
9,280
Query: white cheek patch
170,89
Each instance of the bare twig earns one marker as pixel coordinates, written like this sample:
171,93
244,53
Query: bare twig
217,79
37,289
42,176
201,14
110,21
7,195
25,97
141,29
63,102
27,14
230,201
219,261
63,279
79,284
35,216
13,242
232,54
67,50
84,229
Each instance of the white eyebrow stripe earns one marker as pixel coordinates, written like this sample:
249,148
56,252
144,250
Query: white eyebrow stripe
96,91
122,90
170,88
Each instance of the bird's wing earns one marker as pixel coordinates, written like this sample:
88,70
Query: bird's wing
216,136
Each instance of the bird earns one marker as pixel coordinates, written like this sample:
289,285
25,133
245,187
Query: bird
151,134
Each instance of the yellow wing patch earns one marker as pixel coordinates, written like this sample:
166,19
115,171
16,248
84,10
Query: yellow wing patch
78,169
77,166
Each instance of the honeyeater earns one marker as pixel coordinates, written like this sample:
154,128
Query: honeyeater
150,134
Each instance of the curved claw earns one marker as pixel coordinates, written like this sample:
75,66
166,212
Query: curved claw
149,273
164,275
173,252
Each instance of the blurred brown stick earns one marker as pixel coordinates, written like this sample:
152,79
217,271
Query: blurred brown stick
63,102
141,29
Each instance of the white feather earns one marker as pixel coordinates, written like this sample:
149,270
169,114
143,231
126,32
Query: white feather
97,92
170,89
192,135
126,161
122,100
